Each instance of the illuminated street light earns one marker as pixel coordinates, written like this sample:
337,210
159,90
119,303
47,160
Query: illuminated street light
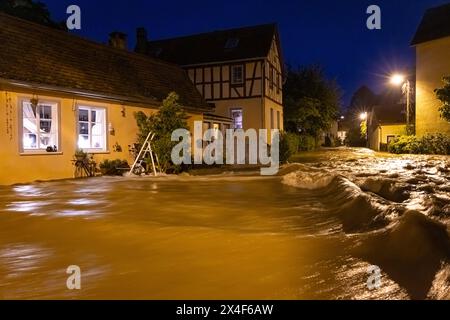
363,116
397,80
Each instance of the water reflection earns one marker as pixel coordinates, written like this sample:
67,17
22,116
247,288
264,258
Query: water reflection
220,237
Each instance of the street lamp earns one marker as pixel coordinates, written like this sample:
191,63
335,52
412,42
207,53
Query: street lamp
363,116
401,80
397,79
364,126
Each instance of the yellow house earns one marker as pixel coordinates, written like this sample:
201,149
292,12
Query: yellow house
60,92
432,43
240,71
385,124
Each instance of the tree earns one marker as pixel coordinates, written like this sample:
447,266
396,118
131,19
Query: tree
443,94
169,118
363,99
311,101
31,11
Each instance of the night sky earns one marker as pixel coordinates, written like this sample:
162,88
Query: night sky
331,33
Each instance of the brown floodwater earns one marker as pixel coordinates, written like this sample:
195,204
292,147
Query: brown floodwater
228,236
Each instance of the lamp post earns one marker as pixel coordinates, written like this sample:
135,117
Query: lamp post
397,80
364,117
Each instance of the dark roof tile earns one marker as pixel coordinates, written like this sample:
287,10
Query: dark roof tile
41,55
251,42
435,25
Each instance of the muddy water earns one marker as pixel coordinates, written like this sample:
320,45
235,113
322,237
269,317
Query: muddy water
219,237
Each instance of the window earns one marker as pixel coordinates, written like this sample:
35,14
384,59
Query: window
92,128
278,120
236,115
272,119
40,127
237,74
232,43
278,83
390,139
270,78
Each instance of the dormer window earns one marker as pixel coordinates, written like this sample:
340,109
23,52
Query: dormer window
232,43
237,74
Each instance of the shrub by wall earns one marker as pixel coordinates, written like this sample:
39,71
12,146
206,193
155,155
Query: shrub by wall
429,144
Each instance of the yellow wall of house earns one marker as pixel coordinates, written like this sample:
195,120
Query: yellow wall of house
273,71
380,135
392,130
251,111
269,106
433,64
17,167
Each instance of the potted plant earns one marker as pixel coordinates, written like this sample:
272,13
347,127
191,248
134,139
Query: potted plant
80,155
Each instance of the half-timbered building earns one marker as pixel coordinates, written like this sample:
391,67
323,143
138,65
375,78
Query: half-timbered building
240,71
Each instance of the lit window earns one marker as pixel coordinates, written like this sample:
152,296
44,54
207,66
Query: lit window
40,126
232,43
92,128
236,115
237,74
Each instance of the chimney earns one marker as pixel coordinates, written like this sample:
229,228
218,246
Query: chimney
141,40
118,40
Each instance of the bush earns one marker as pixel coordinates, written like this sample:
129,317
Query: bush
404,144
436,144
307,143
169,118
289,145
112,167
429,144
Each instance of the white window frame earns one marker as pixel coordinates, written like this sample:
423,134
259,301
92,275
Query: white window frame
55,119
233,80
91,108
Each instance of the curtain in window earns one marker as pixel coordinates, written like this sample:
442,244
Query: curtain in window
29,118
40,126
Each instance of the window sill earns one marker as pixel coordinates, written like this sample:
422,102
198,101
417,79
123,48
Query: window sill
96,151
41,153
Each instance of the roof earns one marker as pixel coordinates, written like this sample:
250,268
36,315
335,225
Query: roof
218,46
39,55
390,114
435,25
210,116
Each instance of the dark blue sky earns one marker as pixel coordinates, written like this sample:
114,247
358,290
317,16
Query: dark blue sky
331,33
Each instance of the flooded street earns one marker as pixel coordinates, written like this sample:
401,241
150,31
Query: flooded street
310,233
